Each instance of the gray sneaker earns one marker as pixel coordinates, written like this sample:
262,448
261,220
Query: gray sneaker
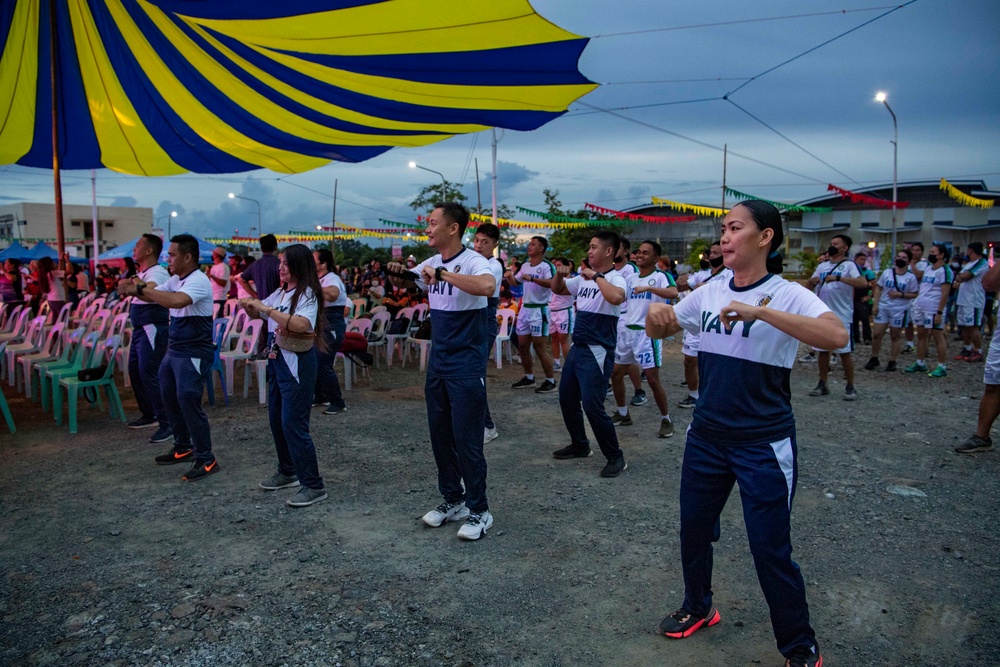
666,429
279,481
975,444
850,394
639,398
306,497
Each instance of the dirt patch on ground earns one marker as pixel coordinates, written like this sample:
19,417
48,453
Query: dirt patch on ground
108,559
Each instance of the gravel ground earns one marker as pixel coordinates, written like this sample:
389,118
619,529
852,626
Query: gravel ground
108,559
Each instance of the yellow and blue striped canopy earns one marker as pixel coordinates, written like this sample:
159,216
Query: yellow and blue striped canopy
159,87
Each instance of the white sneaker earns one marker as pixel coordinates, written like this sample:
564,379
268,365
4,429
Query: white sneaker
489,435
556,365
475,526
807,358
444,513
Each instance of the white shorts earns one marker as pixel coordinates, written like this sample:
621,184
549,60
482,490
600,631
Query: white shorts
924,317
970,317
561,321
635,347
532,321
895,319
991,374
847,349
691,345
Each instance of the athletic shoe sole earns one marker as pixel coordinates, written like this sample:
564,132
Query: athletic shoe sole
706,622
136,426
558,454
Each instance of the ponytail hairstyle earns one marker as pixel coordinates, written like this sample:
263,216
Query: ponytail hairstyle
45,267
766,216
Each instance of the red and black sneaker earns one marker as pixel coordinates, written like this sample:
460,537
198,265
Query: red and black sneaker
805,657
683,623
199,470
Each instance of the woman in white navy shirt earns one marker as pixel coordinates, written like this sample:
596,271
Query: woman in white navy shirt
292,313
743,429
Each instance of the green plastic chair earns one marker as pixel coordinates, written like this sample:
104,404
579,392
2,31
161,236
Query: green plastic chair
70,346
74,385
52,374
3,399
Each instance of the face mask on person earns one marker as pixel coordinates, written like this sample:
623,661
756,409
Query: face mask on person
832,251
932,259
901,263
704,264
716,262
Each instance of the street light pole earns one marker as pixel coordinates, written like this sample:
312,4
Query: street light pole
444,181
260,228
881,97
170,217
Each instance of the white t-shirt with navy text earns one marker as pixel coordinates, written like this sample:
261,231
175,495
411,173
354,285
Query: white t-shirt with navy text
596,317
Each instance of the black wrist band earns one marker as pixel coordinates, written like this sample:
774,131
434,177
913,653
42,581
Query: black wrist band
437,273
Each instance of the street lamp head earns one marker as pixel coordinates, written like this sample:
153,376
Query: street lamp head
413,165
232,195
871,244
880,96
319,227
173,214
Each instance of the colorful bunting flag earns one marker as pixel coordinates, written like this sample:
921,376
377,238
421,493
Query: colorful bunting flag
704,211
865,199
785,207
964,199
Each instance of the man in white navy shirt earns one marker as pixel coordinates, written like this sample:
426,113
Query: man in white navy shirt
458,282
599,291
190,353
149,339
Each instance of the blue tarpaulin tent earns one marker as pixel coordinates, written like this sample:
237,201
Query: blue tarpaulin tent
14,251
125,250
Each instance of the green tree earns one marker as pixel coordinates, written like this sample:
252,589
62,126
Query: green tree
436,193
808,261
699,246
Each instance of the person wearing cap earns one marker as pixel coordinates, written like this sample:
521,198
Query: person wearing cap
219,275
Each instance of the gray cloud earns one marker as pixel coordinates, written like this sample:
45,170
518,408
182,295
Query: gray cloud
125,201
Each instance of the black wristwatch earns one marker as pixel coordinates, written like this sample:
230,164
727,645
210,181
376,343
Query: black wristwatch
437,273
139,287
598,275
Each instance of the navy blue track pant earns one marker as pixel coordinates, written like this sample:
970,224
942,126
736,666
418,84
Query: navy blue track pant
492,331
584,382
182,384
288,408
327,384
456,408
766,474
144,372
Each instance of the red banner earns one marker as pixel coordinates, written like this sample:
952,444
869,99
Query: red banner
865,199
636,217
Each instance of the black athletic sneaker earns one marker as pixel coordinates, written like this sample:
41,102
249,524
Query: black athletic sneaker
890,367
162,435
805,657
199,470
143,422
522,383
175,456
546,388
872,364
334,409
614,468
683,623
820,390
572,452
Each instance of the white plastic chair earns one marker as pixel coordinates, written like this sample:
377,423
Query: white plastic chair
50,351
230,307
362,326
378,309
246,349
99,322
507,319
234,328
10,316
32,343
19,330
378,338
64,314
420,310
392,340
